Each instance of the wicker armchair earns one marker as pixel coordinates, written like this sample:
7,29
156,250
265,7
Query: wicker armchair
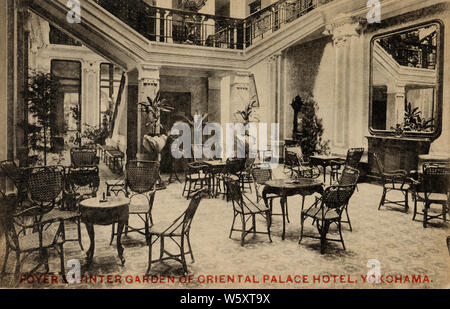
81,183
18,176
246,174
327,210
83,157
295,162
46,190
393,181
349,177
195,177
433,187
262,173
140,181
246,209
25,233
354,156
178,231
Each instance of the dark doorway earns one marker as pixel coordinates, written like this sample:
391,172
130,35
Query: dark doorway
379,107
181,102
68,105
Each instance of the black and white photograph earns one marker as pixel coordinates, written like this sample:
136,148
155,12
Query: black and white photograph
246,146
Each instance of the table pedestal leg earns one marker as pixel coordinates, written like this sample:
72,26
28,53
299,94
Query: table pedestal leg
91,233
120,227
324,173
283,214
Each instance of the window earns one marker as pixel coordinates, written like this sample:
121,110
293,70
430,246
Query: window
59,37
68,105
110,77
255,6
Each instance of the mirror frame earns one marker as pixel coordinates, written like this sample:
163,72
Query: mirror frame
439,83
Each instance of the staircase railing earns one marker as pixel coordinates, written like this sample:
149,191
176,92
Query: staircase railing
186,27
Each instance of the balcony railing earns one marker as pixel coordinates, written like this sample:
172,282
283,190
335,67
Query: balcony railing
185,27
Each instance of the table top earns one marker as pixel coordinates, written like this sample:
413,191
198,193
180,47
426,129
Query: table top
293,184
112,202
325,157
216,163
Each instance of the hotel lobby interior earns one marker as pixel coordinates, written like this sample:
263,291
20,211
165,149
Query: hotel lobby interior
120,118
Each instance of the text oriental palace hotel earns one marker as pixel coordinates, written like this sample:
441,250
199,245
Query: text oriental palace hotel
349,101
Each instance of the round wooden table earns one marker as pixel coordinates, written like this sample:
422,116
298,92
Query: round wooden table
114,210
289,187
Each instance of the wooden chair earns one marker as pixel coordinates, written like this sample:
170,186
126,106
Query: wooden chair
25,233
295,162
246,174
140,181
246,209
393,181
432,188
177,231
326,211
354,156
194,177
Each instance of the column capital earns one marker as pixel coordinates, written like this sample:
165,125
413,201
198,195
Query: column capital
241,80
214,82
344,27
149,74
274,57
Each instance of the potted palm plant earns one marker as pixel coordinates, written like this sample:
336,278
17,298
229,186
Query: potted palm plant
155,141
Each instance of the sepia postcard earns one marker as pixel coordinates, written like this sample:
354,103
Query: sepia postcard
236,145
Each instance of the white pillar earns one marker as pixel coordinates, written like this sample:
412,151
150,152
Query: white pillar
348,125
148,86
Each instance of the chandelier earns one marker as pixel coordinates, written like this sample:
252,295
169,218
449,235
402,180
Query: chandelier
191,5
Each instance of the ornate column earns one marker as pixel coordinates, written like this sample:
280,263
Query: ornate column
350,123
276,81
148,86
240,95
90,108
214,102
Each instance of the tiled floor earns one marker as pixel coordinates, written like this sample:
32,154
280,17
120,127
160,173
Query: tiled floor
403,248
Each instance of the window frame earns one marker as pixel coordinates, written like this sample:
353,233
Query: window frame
439,83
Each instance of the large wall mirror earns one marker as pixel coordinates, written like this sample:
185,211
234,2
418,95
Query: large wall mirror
406,81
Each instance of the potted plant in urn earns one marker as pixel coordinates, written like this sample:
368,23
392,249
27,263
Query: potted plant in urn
308,127
155,141
248,116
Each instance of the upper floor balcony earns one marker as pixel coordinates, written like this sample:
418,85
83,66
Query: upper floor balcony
193,28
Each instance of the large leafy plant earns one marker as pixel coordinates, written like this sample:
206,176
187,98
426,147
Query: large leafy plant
413,120
308,128
153,109
40,96
247,114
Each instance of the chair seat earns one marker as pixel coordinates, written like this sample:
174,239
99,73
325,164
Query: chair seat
316,212
161,227
59,214
139,207
397,186
197,177
30,242
254,209
436,198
